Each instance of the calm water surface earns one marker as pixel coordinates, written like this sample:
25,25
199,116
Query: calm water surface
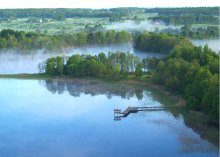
75,119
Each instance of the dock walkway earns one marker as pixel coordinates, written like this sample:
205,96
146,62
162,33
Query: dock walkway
118,113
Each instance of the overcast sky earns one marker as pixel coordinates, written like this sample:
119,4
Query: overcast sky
105,3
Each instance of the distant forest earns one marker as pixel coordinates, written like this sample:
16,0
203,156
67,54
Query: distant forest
191,19
196,11
68,13
148,42
168,15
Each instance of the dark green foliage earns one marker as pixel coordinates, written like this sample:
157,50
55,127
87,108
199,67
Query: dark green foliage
55,66
185,11
150,64
58,13
25,41
191,19
50,66
200,33
153,42
114,66
138,70
102,58
59,66
115,18
190,71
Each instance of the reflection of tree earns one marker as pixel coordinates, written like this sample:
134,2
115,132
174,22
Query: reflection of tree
74,89
203,125
55,87
60,87
51,86
93,88
125,91
139,94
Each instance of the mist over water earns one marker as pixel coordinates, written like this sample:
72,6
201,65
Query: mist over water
141,26
14,62
214,44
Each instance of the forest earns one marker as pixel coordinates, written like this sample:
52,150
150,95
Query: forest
155,42
114,66
151,42
186,11
182,20
192,72
70,13
148,42
27,41
211,32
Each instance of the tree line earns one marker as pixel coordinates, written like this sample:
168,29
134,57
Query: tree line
155,42
192,72
146,41
200,33
55,13
182,20
149,42
113,66
26,41
185,11
73,13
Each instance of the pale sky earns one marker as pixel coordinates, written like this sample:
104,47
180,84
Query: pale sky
105,3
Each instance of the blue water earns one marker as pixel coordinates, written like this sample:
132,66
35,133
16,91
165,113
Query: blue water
75,119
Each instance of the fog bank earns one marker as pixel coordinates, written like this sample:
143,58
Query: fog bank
14,62
141,26
214,44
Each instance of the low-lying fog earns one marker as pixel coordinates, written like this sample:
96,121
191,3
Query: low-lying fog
141,26
214,44
13,62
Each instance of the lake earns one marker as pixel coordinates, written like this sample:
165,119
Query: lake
75,118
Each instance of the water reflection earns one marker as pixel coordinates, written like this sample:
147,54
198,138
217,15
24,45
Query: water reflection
148,97
93,88
74,118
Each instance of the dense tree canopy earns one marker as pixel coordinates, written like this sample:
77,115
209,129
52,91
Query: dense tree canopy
114,66
190,71
154,42
21,40
181,20
185,11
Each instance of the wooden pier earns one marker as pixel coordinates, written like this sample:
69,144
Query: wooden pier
118,114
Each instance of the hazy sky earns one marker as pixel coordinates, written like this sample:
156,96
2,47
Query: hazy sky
105,3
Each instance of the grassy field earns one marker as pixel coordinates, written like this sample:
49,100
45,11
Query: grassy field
69,25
